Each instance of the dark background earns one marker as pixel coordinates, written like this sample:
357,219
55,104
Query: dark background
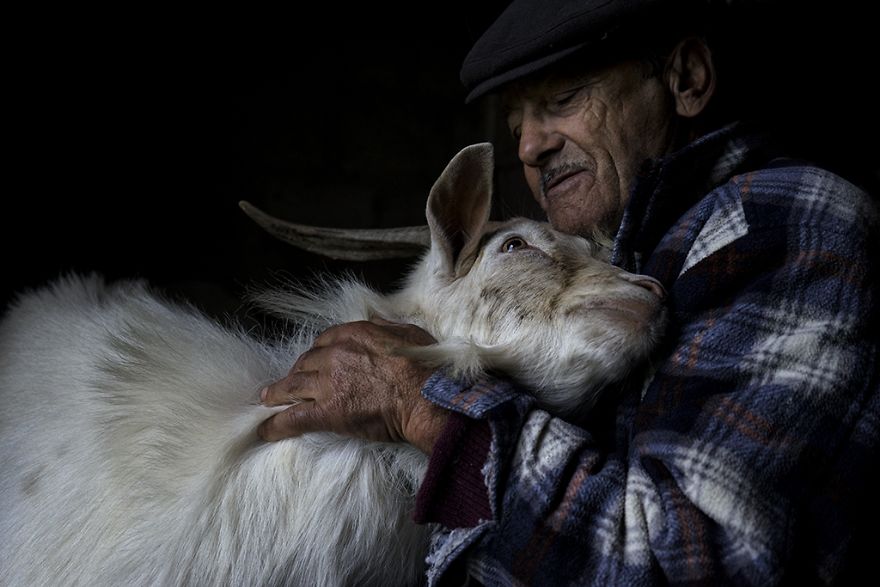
132,136
135,135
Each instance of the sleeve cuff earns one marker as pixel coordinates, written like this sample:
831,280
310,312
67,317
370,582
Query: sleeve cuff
453,493
475,399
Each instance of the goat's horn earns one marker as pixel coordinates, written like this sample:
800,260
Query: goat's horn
350,244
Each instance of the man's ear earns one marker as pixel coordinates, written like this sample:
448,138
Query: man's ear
690,76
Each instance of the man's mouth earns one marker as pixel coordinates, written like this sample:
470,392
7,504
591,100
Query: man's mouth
561,179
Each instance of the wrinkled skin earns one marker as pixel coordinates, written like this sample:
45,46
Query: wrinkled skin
331,378
581,139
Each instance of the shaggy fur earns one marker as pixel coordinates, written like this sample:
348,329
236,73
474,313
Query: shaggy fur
127,428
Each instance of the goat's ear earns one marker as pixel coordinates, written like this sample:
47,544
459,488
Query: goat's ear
458,208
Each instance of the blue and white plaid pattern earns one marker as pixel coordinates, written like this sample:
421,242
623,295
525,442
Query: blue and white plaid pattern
746,459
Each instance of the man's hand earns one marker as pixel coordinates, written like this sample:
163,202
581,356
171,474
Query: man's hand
352,382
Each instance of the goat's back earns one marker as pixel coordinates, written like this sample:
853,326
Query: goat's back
129,456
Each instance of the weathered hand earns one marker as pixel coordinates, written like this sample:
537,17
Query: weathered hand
352,382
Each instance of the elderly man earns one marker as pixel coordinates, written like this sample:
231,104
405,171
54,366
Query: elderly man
744,459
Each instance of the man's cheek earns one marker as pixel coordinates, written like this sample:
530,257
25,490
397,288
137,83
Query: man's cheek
593,115
533,180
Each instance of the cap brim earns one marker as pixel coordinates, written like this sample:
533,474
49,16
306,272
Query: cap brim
521,71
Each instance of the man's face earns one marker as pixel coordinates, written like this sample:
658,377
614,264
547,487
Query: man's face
582,139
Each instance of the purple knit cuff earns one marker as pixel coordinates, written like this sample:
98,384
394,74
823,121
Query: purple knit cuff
453,493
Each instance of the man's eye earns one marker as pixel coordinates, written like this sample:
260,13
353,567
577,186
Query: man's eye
516,132
563,99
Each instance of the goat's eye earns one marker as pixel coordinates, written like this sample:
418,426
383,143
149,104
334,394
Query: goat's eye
512,244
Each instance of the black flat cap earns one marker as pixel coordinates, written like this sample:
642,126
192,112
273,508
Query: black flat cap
533,34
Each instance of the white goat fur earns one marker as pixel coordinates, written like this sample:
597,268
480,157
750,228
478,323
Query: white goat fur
127,428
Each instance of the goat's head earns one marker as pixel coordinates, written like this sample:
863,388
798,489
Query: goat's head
516,296
522,298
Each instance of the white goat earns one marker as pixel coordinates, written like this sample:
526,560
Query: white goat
127,428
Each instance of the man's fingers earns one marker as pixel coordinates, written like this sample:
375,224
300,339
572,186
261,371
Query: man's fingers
361,332
294,388
338,333
383,322
315,359
293,421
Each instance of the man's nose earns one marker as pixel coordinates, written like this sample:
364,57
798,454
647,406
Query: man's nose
537,141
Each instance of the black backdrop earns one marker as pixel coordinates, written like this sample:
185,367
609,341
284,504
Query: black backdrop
135,135
131,135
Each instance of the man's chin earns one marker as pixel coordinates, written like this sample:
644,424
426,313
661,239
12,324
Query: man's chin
578,221
570,225
582,212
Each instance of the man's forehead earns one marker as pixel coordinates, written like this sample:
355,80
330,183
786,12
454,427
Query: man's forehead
515,93
553,80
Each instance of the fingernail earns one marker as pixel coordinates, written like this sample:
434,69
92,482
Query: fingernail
263,393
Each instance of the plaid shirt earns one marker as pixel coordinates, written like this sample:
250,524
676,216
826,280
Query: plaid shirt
745,459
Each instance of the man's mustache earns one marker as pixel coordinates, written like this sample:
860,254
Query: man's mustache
550,176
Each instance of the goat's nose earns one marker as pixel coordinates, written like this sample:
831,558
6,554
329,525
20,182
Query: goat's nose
647,282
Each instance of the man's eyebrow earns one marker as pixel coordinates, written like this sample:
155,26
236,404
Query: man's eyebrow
577,82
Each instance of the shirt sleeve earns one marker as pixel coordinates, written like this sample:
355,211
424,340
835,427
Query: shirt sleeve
752,444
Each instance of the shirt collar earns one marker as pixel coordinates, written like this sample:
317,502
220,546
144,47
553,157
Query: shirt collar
668,187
